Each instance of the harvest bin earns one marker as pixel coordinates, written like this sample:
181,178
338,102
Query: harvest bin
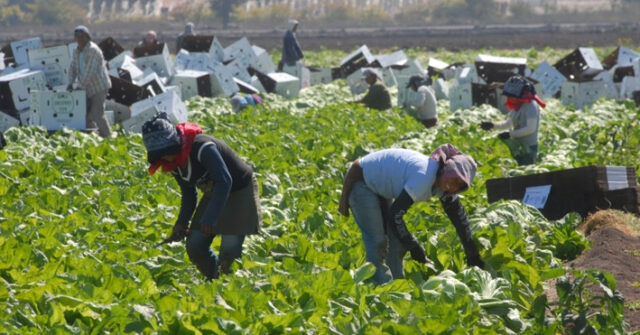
583,190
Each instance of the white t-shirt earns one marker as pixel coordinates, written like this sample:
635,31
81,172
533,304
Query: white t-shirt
425,103
387,172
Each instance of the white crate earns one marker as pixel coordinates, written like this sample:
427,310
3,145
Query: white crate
222,81
117,61
460,96
626,56
54,110
168,102
160,63
110,116
190,82
441,90
287,85
263,61
636,67
550,78
501,60
1,61
15,88
150,78
468,74
7,121
238,70
25,117
610,86
20,49
388,78
246,86
582,94
240,51
129,64
593,64
255,82
356,82
320,75
135,122
364,50
120,112
216,52
628,86
395,58
54,62
404,93
300,71
198,61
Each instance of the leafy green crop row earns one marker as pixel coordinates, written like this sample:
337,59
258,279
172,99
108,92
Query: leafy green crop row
80,215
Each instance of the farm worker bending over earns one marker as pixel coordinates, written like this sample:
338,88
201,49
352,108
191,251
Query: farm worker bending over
87,65
381,187
229,205
377,96
291,52
524,119
424,101
242,101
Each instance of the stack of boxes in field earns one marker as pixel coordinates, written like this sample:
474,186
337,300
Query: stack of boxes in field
583,190
580,67
393,69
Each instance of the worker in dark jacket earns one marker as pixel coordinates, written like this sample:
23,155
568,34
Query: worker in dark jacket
229,205
381,187
291,52
377,96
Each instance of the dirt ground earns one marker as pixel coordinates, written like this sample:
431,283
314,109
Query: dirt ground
615,249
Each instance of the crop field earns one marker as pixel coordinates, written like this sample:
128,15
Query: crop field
80,216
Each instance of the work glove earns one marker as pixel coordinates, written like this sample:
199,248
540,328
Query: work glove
418,254
504,136
486,125
178,233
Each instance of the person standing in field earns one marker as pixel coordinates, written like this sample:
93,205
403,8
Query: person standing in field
229,206
188,31
88,67
377,97
381,187
149,40
424,101
523,120
291,51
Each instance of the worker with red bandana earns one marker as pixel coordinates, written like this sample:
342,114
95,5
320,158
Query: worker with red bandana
523,120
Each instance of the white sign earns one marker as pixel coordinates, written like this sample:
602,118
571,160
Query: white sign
537,196
617,177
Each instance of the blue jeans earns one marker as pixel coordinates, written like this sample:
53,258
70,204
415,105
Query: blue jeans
200,253
529,158
366,208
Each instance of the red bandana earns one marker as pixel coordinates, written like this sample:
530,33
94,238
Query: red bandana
515,103
188,132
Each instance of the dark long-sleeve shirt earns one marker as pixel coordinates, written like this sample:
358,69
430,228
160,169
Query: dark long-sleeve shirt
210,160
291,52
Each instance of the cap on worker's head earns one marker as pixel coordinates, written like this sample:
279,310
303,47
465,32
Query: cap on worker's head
369,72
516,86
83,30
160,138
415,80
